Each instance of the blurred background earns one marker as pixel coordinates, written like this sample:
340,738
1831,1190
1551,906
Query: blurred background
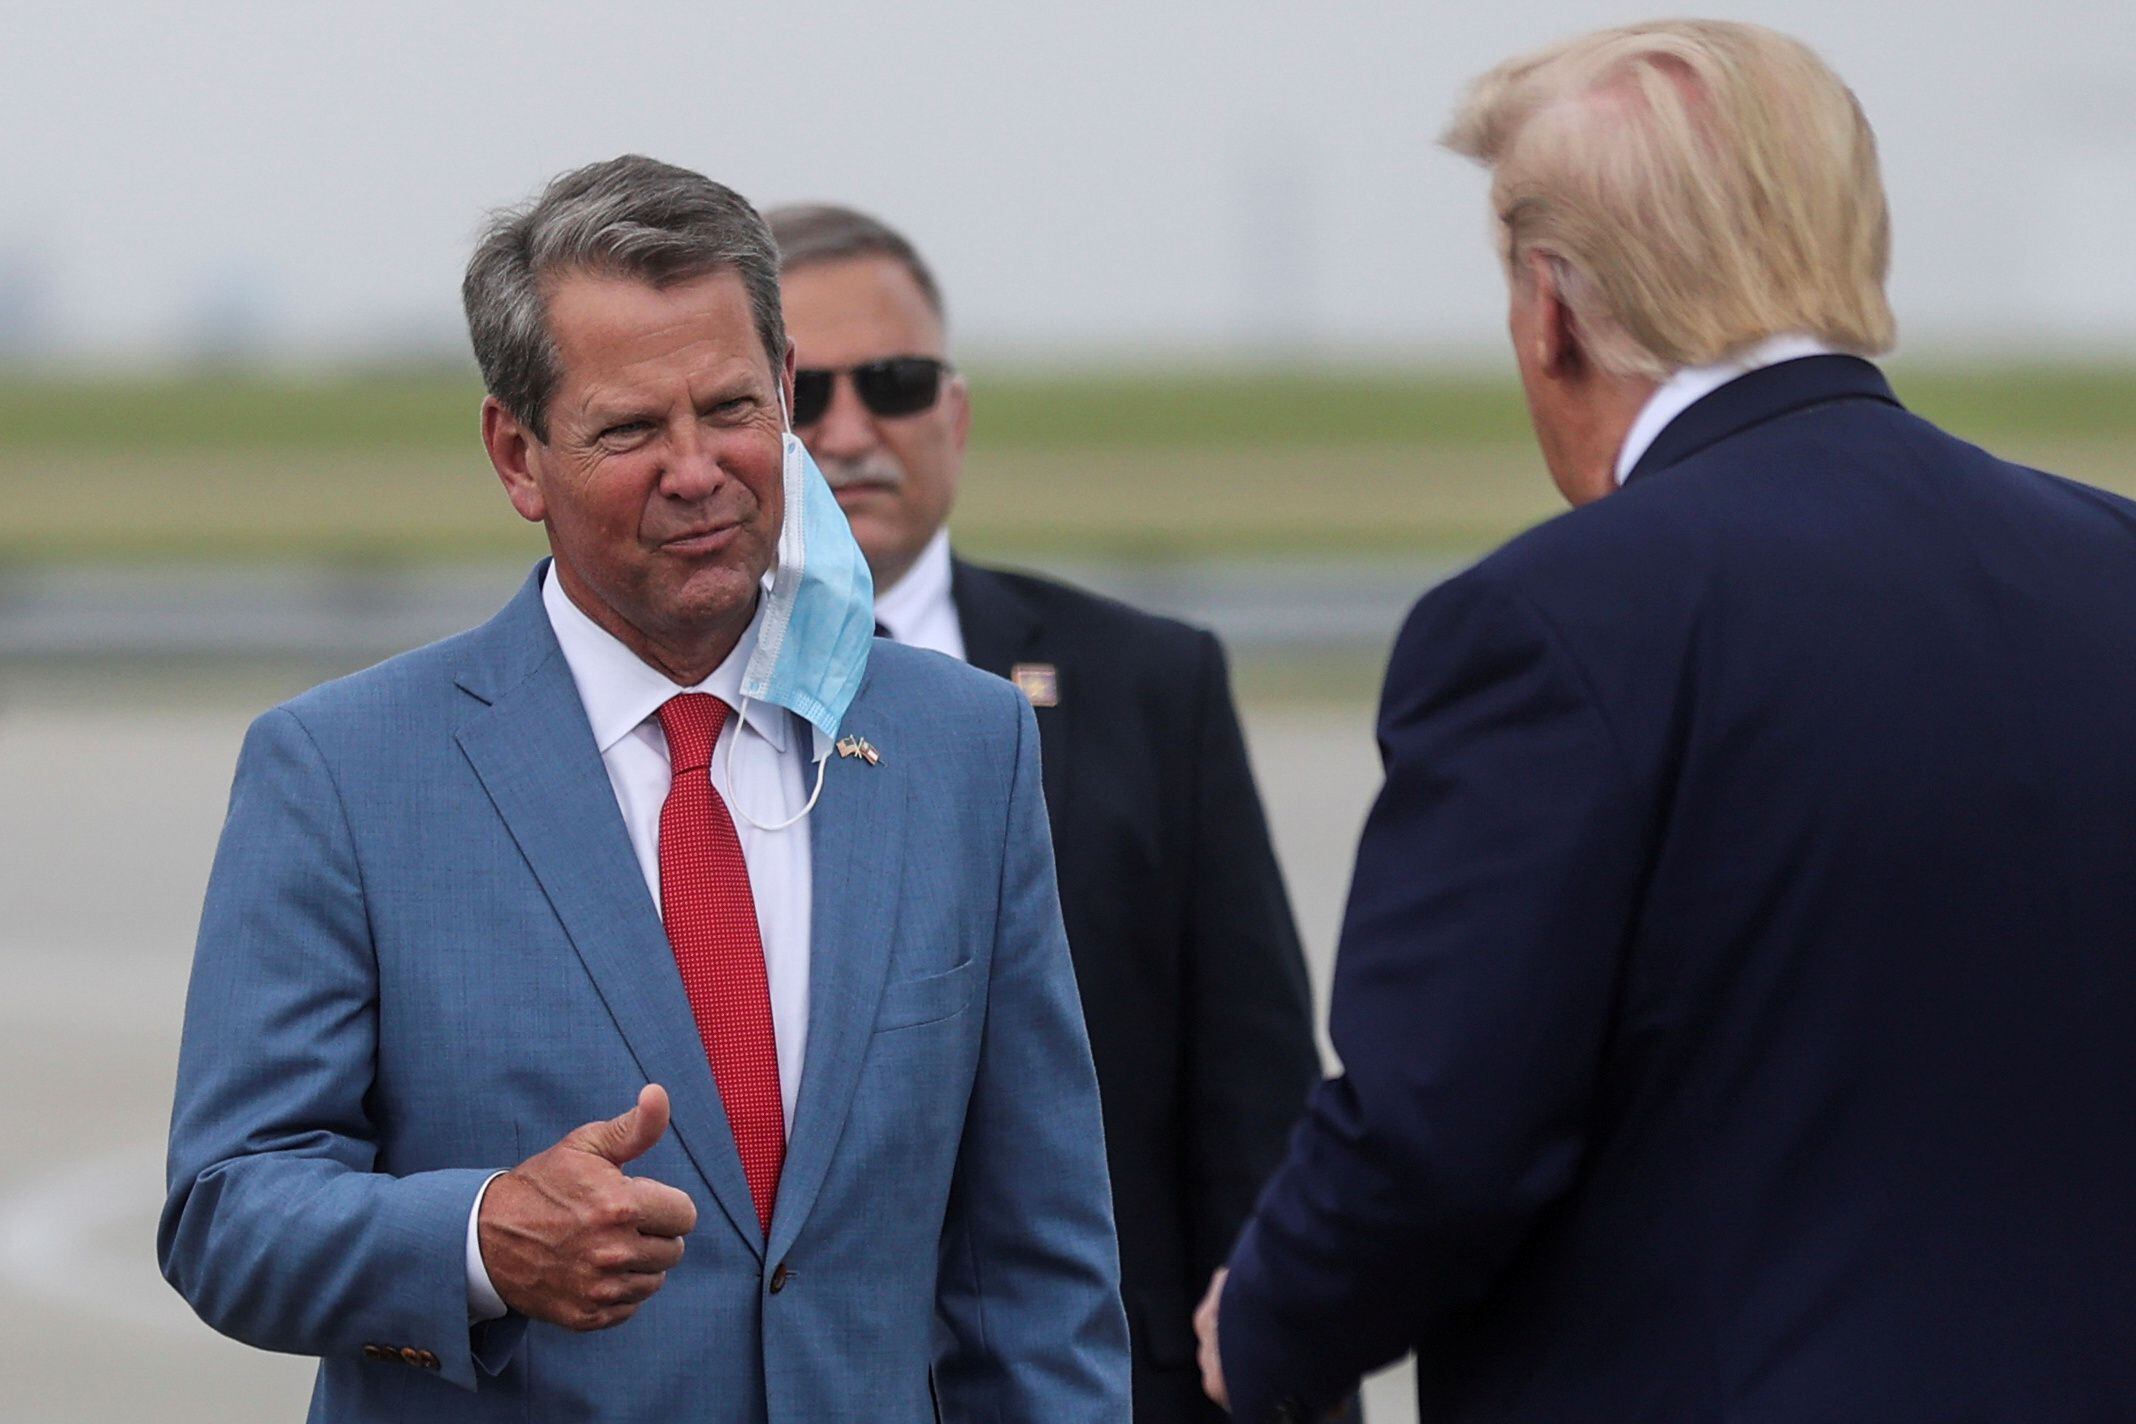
1232,324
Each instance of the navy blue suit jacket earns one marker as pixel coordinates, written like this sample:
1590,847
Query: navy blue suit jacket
1738,987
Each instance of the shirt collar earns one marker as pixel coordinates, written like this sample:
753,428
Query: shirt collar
621,690
921,593
1690,384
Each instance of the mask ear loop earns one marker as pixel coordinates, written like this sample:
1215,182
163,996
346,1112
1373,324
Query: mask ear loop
734,797
823,763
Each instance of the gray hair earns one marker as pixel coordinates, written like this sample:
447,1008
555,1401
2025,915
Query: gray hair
631,217
825,232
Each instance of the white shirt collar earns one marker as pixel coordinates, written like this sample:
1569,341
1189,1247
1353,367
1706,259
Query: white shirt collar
922,595
621,691
1690,384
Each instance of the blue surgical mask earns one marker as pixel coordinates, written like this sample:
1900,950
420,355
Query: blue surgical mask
819,619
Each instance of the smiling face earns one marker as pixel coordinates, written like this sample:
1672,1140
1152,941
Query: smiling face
896,475
659,483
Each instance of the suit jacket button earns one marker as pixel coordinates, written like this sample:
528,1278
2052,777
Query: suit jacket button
376,1352
410,1355
426,1359
779,1278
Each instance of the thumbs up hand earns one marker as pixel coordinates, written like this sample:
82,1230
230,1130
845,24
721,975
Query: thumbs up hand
568,1238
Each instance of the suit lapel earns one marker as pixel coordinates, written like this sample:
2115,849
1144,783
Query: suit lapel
535,755
1001,629
856,851
998,624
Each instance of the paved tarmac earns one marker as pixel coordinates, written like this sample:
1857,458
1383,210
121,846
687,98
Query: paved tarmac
112,784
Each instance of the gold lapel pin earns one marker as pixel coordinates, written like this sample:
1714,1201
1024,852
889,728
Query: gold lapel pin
1041,682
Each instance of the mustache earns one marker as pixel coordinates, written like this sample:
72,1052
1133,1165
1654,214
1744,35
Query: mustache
868,470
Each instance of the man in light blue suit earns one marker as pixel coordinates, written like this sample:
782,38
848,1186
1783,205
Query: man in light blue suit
671,834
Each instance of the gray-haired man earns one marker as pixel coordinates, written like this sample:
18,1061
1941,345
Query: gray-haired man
476,899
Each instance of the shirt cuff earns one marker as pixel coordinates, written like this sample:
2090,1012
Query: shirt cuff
483,1302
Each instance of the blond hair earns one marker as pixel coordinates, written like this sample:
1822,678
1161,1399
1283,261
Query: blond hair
1700,184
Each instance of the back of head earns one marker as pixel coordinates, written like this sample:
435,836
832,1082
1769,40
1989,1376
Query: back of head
809,233
1702,185
631,217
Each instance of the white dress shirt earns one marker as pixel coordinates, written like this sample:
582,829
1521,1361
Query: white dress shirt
1689,384
767,772
917,610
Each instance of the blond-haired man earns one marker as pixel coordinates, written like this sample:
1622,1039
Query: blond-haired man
1737,984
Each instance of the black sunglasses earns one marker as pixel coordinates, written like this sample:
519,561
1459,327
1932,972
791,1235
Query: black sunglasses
895,385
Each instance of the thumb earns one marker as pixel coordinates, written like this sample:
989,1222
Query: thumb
622,1139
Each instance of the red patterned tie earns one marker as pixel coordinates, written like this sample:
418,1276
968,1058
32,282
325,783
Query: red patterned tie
712,924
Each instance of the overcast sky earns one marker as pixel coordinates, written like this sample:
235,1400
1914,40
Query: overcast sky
1089,179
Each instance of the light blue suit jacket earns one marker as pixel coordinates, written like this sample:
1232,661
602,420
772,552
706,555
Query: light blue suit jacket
427,953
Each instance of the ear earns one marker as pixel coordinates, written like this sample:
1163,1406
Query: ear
511,451
1557,351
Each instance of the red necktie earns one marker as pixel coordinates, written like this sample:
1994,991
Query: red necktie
712,923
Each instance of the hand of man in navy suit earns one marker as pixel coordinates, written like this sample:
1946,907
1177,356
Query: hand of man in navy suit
1210,1358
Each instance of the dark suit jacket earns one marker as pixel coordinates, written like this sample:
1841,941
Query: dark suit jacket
1192,980
1738,988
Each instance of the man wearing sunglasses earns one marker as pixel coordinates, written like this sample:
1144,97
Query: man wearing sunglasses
1184,947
